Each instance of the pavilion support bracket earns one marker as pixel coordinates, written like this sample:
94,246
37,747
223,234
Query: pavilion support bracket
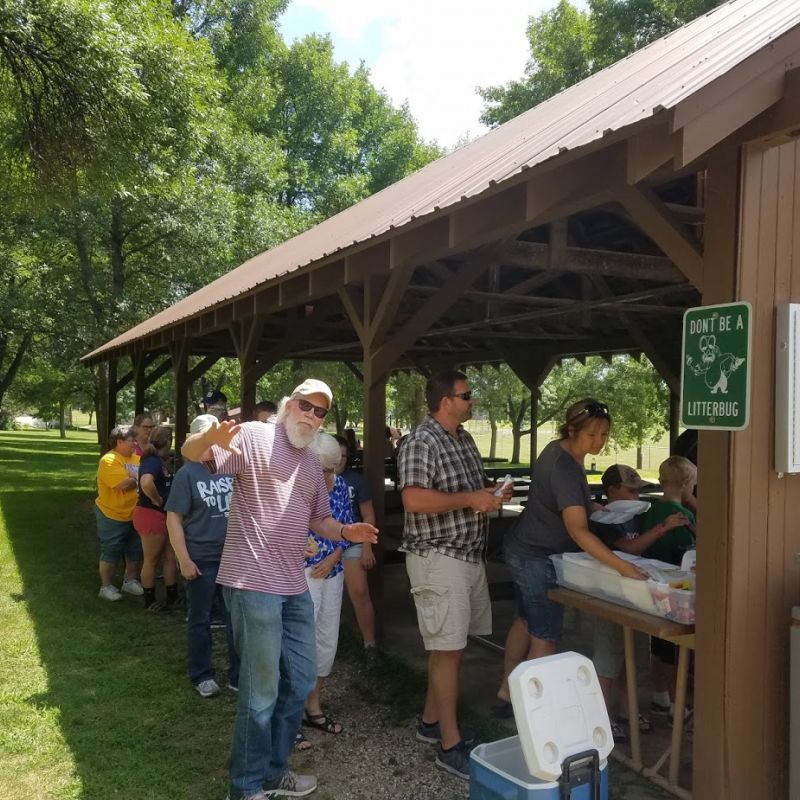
660,224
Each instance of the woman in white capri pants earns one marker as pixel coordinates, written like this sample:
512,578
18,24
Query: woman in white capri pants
325,577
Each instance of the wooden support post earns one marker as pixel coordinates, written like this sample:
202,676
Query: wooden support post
674,418
246,335
179,352
111,418
139,367
534,442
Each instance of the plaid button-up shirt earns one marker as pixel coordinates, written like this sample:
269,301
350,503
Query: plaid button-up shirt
430,458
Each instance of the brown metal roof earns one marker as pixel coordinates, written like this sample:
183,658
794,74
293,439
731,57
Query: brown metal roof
657,78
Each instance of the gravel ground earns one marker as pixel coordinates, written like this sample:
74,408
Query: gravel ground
376,757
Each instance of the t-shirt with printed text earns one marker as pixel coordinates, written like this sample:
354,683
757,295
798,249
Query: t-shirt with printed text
112,470
204,501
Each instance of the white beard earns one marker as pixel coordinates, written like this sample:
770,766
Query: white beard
297,434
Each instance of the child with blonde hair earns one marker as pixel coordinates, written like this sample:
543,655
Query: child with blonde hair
677,476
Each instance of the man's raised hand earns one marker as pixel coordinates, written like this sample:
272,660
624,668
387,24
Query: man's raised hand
222,434
360,532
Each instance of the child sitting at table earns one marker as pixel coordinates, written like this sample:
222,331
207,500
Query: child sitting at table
621,482
677,476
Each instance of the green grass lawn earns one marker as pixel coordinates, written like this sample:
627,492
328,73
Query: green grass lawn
91,705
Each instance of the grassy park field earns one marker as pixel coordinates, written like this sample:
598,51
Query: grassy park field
90,703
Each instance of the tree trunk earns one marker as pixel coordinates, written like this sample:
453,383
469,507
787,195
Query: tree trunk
493,440
62,432
419,405
7,379
91,414
639,459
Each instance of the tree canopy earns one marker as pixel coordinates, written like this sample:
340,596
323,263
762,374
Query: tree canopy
152,146
567,44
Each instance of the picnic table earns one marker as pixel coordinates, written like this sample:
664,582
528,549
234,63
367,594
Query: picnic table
683,636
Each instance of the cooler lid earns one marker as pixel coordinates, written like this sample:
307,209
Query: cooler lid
559,711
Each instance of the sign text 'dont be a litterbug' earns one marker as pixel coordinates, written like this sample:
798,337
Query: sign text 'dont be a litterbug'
715,376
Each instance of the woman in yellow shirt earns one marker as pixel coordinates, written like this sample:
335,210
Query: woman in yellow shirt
116,499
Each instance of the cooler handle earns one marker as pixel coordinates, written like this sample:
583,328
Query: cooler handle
580,769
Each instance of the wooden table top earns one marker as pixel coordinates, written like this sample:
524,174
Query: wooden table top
622,615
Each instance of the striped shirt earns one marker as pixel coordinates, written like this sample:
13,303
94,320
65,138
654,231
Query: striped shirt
430,458
277,491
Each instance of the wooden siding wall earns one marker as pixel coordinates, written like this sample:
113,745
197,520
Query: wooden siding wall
741,738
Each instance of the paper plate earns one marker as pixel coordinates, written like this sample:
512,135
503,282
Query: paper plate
620,511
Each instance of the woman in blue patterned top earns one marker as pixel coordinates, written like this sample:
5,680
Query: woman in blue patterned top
325,576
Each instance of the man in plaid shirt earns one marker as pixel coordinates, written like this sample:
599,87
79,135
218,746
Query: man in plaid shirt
446,500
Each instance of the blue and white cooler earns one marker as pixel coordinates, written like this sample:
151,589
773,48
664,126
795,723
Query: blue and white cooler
561,752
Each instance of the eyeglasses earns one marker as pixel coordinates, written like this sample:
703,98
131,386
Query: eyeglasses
466,396
597,410
319,411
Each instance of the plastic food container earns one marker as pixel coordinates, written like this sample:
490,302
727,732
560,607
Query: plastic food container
669,593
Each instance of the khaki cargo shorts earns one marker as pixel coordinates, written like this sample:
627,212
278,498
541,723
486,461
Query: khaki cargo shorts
452,600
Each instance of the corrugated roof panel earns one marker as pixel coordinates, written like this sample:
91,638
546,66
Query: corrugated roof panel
656,77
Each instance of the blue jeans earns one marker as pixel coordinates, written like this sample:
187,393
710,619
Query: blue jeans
533,578
274,637
200,594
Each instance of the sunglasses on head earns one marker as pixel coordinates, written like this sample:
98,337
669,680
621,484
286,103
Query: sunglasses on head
466,396
319,411
596,410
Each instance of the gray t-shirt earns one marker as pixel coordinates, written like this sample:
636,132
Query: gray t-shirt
558,482
204,500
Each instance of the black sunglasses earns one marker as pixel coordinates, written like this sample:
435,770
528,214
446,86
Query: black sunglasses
467,396
319,411
596,410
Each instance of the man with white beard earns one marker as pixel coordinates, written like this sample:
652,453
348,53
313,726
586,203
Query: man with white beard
279,494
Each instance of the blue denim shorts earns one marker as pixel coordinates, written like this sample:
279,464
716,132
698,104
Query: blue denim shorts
533,578
354,551
117,539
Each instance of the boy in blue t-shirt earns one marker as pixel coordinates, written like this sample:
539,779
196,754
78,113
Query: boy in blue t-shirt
197,521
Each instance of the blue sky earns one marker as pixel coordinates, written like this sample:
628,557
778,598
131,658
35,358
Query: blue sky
432,53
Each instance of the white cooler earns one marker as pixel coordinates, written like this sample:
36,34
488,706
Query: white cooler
564,739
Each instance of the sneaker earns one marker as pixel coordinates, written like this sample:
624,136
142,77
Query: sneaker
430,734
132,586
109,592
455,760
207,688
619,733
293,785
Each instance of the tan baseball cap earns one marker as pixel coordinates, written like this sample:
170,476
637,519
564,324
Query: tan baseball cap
623,475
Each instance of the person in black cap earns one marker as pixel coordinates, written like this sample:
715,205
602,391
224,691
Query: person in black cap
216,404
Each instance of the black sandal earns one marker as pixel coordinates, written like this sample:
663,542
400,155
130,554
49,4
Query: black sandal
322,722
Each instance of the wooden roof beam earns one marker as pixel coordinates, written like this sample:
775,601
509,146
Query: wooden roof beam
533,255
650,214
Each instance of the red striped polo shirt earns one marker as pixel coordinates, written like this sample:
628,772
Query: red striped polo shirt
278,489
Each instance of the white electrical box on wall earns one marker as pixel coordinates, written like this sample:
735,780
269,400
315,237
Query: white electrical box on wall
787,388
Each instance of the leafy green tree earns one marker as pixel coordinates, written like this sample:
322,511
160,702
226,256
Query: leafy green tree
405,395
568,44
639,401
